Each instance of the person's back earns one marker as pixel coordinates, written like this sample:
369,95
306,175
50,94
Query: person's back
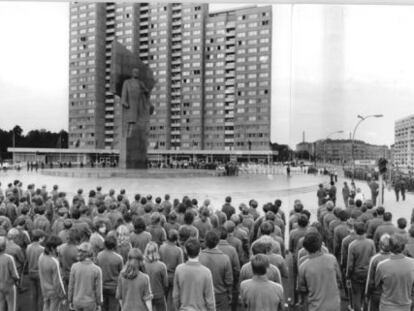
111,264
258,293
395,278
140,240
221,270
85,282
193,282
319,277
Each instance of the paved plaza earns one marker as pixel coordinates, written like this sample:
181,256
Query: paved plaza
263,188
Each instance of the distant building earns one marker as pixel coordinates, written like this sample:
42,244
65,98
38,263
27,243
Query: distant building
213,74
340,150
403,151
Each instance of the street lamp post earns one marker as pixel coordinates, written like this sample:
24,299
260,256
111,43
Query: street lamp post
324,144
362,118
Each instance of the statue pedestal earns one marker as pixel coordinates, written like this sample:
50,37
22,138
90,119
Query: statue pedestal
133,149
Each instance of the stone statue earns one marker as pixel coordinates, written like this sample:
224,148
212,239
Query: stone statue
136,111
136,106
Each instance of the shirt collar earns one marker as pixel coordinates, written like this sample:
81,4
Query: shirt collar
193,259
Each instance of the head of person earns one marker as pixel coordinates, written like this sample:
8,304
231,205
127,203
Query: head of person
312,242
387,216
38,235
267,228
222,231
329,206
73,236
259,247
155,218
332,183
137,197
51,244
303,221
230,226
166,197
212,239
85,251
298,207
192,247
402,223
397,243
188,217
172,236
380,211
253,204
358,203
110,242
139,225
384,242
151,253
260,263
184,234
228,199
343,215
359,228
134,264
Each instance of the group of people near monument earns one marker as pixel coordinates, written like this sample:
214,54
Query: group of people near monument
102,251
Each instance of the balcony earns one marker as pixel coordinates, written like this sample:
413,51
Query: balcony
230,82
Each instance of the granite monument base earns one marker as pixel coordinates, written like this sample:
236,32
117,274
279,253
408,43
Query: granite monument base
133,147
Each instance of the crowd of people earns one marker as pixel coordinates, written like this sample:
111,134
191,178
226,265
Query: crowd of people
101,251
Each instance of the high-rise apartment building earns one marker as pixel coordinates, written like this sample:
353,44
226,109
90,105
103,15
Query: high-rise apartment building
213,74
403,151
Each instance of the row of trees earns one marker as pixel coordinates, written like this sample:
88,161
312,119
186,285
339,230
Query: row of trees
33,139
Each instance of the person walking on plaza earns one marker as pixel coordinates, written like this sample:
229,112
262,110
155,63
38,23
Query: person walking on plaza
374,187
259,293
134,289
111,264
85,282
360,252
345,194
319,277
321,194
395,278
220,267
193,282
332,192
9,278
157,272
51,282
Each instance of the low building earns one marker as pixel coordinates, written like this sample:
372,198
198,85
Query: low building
340,150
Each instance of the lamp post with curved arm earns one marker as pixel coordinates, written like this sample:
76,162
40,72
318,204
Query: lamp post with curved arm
362,118
324,144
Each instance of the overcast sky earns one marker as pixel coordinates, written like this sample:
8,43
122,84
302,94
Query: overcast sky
330,63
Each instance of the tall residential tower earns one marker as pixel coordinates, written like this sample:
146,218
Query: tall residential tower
213,74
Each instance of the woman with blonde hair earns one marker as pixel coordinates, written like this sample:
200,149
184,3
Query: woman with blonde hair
157,272
124,241
134,290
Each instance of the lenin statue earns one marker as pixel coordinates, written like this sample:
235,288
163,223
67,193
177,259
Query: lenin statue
136,111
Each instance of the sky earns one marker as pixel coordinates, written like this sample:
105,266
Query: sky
329,64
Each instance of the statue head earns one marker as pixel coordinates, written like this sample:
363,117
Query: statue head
135,73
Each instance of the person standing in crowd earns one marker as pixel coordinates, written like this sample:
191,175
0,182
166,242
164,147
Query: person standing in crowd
85,282
134,290
319,277
33,252
172,256
9,277
220,267
345,194
157,272
259,293
193,282
359,254
111,264
51,282
394,277
373,294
